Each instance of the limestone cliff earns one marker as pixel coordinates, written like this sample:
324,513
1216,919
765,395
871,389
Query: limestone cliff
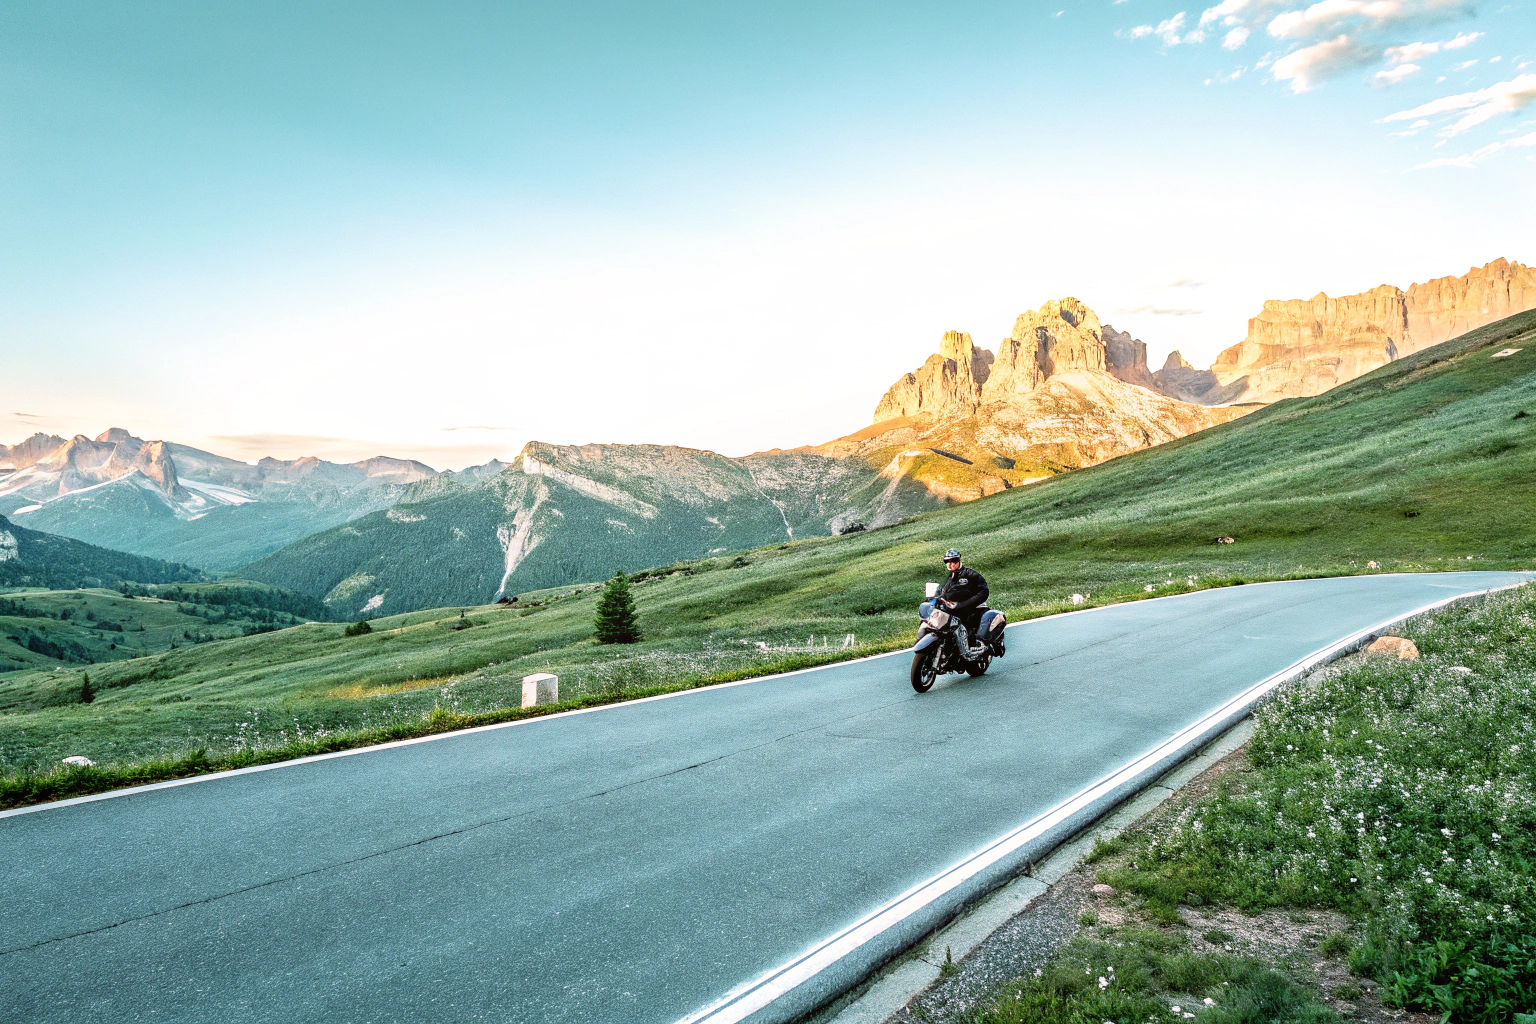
1063,391
1300,347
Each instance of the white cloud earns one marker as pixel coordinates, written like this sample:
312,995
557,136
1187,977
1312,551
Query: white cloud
1312,65
1509,97
1395,75
1235,38
1412,129
1477,156
1167,30
1410,52
1463,65
1333,15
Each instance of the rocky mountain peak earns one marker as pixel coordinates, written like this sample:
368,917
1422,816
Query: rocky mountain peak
1300,347
29,452
1176,361
114,435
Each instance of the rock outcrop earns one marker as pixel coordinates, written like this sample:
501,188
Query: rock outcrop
1301,347
1062,391
28,452
1127,359
948,384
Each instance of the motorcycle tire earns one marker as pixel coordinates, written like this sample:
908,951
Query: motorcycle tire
979,666
925,669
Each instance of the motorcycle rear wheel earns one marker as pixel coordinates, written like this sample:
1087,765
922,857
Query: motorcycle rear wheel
979,666
925,669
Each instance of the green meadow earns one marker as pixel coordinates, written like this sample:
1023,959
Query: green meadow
1426,464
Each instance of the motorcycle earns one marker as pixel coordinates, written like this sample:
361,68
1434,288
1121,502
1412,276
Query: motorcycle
943,646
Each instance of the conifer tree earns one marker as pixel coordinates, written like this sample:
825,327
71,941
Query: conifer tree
616,623
86,693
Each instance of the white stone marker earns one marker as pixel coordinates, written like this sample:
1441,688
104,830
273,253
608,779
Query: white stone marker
541,688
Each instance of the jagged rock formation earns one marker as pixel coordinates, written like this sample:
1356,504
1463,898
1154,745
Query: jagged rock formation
28,452
1301,347
1062,391
1127,359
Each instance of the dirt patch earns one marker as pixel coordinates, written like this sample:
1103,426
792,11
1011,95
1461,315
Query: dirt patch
357,691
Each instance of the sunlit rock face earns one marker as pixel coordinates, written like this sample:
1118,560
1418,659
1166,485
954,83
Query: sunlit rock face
1062,391
1301,347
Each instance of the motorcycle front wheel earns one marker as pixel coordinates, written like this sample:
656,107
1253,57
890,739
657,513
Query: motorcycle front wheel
925,669
979,666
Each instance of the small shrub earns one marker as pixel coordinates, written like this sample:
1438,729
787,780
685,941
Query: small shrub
86,693
358,628
1335,944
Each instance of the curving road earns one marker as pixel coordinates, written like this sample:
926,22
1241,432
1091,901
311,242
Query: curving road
732,851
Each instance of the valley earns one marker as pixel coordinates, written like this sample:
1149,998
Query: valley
1427,463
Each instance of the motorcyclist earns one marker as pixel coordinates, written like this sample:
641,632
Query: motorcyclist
964,593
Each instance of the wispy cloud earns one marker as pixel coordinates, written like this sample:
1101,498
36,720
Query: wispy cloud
1508,97
1161,311
1166,30
1335,15
1391,76
1409,52
27,415
1186,282
1470,160
1310,66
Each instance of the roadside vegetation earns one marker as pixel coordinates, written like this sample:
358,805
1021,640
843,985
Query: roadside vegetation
1395,793
1426,464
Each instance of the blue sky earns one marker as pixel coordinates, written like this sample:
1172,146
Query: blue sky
442,229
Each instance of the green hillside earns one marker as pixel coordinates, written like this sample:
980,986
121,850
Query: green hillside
57,629
31,558
1428,463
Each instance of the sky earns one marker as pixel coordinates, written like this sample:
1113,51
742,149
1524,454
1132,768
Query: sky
439,230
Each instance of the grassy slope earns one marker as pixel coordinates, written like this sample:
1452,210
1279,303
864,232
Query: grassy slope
81,627
1422,464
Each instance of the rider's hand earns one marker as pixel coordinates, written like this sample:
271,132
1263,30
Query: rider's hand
949,602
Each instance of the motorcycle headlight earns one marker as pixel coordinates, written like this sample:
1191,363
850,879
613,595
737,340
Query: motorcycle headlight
938,618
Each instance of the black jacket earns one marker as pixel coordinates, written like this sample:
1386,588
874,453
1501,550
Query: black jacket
966,587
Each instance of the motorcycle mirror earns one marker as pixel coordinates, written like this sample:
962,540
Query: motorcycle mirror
933,590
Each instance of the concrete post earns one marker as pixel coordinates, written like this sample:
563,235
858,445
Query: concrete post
541,688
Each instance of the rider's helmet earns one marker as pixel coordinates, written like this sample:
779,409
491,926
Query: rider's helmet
952,555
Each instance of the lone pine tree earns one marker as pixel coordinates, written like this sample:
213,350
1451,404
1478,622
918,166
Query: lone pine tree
616,613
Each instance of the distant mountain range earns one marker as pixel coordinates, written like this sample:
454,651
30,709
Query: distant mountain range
169,501
1063,391
559,514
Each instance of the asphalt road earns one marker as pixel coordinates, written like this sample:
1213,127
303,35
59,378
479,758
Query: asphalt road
633,863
